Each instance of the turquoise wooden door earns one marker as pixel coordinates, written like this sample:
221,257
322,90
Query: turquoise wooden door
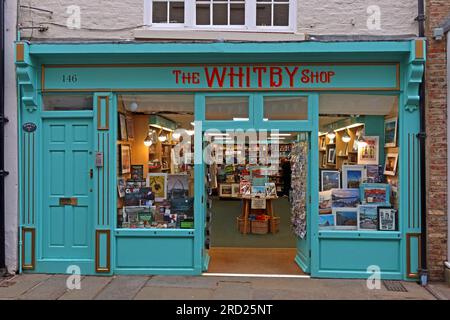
67,218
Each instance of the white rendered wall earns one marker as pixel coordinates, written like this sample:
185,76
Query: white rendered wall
11,160
314,17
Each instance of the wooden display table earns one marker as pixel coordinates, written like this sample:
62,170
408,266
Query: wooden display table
247,208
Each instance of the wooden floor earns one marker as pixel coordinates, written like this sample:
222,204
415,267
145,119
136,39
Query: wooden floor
254,261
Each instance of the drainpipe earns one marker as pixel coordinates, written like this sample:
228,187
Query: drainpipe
3,120
422,136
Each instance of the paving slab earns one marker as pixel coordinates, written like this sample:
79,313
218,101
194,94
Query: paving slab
173,293
441,289
14,287
122,288
90,288
233,290
50,289
186,281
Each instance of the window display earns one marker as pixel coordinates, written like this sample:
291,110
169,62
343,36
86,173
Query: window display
155,186
350,152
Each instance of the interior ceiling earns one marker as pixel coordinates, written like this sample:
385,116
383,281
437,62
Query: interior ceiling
333,107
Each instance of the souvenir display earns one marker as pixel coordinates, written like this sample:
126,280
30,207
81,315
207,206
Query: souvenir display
299,167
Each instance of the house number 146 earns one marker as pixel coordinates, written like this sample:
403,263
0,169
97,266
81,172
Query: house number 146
70,78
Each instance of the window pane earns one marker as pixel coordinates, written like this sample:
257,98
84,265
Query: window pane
226,108
67,102
202,14
220,14
286,108
237,14
176,12
159,12
281,15
263,15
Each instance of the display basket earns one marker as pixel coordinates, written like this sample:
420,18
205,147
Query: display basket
260,226
240,225
276,225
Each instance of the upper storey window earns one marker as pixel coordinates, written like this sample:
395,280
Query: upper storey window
240,15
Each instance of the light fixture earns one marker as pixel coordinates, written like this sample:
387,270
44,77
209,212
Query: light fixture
176,135
162,138
150,139
331,135
280,134
346,137
241,119
190,132
133,106
193,123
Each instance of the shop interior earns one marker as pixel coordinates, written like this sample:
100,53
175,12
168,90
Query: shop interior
256,207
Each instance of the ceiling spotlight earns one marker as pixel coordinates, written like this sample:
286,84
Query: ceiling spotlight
331,135
162,138
345,137
133,106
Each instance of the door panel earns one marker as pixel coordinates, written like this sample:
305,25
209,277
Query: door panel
67,229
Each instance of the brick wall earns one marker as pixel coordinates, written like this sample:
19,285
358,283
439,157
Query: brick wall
436,119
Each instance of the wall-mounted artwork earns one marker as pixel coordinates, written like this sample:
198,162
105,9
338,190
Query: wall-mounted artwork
368,153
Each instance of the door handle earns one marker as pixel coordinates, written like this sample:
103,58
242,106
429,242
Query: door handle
91,173
68,201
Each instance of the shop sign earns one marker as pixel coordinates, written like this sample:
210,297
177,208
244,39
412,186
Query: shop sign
344,76
29,127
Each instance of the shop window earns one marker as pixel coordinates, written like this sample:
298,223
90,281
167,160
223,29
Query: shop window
227,108
65,102
359,156
268,15
155,162
285,108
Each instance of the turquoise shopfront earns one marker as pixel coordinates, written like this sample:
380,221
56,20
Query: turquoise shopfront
73,153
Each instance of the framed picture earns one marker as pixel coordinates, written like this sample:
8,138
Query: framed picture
346,218
387,219
271,189
327,221
158,184
235,189
375,193
325,202
390,165
368,153
125,159
330,179
123,127
390,133
225,191
178,183
130,128
323,143
245,187
259,191
345,198
368,217
324,160
137,172
353,176
374,173
331,155
121,186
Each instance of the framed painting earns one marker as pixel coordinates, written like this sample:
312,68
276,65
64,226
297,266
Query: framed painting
125,159
123,127
368,153
390,133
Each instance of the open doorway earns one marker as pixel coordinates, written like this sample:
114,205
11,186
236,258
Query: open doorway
255,184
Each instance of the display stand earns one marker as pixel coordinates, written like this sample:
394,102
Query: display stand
247,202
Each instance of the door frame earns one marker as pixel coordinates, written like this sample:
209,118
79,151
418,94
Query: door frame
256,113
55,265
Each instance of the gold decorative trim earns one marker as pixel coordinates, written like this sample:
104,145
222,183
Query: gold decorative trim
410,274
98,268
20,52
99,113
397,88
419,49
31,266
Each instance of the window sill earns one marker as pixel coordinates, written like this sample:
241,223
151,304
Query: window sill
228,35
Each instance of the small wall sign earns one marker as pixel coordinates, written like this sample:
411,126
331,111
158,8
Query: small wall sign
29,127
